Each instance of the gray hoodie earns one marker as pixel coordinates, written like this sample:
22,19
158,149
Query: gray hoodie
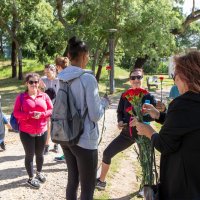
85,92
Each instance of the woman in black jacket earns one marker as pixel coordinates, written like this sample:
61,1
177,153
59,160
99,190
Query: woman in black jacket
179,138
125,139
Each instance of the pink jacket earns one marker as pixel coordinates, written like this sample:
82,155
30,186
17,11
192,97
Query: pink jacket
25,112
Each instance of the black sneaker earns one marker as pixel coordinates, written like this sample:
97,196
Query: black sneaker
40,177
34,183
3,146
46,149
100,185
55,148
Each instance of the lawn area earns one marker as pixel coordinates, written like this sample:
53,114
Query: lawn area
10,87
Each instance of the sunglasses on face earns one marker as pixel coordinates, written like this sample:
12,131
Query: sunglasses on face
31,82
136,77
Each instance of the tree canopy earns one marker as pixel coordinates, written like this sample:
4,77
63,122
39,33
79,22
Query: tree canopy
146,29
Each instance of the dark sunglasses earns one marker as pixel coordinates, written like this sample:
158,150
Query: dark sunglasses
136,77
31,82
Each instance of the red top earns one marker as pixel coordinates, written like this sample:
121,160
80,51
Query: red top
25,112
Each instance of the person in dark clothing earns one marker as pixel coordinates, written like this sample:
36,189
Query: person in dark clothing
179,138
125,139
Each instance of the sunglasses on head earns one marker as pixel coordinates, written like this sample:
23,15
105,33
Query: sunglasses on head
31,82
136,77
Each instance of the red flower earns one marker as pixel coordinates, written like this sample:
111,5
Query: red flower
108,68
129,110
161,78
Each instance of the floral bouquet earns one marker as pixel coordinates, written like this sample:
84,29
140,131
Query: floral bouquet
134,96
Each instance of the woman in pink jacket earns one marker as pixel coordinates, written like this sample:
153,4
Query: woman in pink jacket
33,109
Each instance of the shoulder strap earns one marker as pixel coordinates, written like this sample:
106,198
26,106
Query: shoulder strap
69,84
21,97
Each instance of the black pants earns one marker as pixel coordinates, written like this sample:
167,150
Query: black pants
120,143
33,145
81,164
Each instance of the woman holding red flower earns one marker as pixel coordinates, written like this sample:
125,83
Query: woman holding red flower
124,112
179,138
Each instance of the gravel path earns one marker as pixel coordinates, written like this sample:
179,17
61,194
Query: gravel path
13,175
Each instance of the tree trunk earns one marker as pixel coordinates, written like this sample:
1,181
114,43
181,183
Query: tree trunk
14,60
96,56
98,74
20,75
1,45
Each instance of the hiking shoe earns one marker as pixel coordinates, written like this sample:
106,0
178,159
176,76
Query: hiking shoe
60,159
55,148
46,149
3,146
100,185
40,177
34,183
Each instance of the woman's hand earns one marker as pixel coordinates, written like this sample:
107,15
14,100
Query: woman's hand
143,129
120,125
151,110
37,115
160,106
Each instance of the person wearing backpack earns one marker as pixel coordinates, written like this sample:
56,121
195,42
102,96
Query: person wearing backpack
81,158
33,115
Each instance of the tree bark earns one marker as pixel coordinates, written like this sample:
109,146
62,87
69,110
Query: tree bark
100,65
20,75
1,45
14,60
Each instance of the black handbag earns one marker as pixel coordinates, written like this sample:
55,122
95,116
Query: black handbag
151,192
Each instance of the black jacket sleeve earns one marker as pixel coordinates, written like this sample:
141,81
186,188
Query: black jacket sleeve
162,117
120,110
175,127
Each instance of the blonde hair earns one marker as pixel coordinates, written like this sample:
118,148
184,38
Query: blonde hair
63,62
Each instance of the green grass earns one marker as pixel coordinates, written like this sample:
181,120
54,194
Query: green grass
10,87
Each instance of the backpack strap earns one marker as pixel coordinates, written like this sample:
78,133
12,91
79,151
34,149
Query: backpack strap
69,84
21,99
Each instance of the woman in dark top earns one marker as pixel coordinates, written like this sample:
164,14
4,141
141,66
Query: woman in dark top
125,139
179,138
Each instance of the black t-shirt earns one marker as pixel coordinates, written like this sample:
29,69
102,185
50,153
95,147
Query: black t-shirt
123,115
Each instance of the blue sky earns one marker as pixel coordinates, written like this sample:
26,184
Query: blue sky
188,6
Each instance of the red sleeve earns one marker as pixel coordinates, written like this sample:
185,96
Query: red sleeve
49,110
18,111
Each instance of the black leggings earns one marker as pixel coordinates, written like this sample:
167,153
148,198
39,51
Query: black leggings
81,164
120,143
33,145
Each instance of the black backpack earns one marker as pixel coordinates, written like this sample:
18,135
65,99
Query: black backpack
51,93
67,123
